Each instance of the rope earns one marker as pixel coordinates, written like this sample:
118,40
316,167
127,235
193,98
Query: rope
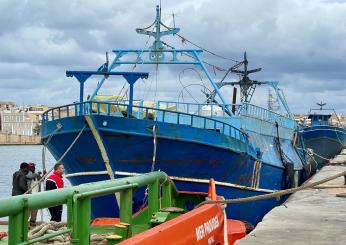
103,151
186,54
337,135
210,52
145,198
154,153
275,194
52,226
134,66
327,159
60,159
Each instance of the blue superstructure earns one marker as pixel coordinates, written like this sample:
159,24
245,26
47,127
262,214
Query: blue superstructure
247,149
325,138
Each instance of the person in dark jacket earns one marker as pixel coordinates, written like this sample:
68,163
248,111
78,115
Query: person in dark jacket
19,183
34,186
55,181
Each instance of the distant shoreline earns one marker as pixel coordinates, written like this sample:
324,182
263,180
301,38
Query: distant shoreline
13,139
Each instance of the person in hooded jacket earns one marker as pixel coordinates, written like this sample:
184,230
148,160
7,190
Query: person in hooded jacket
19,183
34,186
55,181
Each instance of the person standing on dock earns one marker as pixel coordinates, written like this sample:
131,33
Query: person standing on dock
33,187
19,184
55,181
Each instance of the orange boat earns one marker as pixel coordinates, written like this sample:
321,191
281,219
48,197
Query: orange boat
207,224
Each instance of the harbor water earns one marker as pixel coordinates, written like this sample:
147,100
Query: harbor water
11,156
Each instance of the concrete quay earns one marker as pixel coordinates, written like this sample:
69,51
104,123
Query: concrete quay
13,139
312,216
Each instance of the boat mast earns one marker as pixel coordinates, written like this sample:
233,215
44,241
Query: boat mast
248,86
161,53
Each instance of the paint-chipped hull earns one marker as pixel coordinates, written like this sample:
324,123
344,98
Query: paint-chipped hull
325,141
182,152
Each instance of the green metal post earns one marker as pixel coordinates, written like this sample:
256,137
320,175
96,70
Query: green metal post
15,228
70,212
81,231
153,204
26,212
74,234
166,200
18,225
126,206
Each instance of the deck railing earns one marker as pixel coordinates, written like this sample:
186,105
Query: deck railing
142,112
217,111
267,115
200,109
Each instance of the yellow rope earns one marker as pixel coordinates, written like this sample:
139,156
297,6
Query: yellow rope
274,194
103,151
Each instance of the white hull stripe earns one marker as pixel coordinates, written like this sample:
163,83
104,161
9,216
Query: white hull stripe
206,181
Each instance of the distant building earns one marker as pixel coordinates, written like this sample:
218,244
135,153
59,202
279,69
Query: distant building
6,105
36,111
15,121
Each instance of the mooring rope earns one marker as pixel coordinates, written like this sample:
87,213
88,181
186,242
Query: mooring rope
52,226
60,159
342,144
154,150
327,159
276,194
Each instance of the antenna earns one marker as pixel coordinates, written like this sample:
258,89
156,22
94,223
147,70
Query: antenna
173,15
321,104
158,45
247,86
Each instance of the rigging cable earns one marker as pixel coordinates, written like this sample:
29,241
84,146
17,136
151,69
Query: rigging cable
191,84
135,65
205,62
184,87
206,50
198,46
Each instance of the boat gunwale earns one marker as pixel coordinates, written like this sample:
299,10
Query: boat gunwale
90,112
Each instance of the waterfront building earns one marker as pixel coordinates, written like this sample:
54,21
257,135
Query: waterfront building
16,121
6,105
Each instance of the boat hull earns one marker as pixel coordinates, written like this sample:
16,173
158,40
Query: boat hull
191,156
325,141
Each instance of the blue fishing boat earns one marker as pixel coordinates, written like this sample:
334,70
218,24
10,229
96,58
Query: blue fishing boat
247,149
324,137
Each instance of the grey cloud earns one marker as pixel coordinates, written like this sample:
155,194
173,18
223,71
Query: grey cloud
300,43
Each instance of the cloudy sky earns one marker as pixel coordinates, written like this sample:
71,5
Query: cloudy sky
299,43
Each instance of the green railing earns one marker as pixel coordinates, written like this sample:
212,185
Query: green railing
78,200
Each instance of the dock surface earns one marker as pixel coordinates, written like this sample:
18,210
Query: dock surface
312,216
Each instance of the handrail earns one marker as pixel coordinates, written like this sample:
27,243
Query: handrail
78,200
264,114
243,109
181,118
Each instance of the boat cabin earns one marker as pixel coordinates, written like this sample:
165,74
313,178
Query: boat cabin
319,119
